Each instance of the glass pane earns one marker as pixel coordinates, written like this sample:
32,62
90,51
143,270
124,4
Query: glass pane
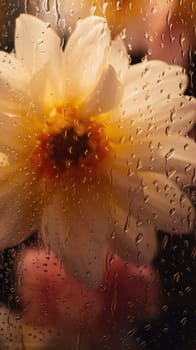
97,174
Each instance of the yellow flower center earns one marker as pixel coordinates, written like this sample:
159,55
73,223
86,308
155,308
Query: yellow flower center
68,145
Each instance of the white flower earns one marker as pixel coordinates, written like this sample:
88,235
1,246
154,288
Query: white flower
92,150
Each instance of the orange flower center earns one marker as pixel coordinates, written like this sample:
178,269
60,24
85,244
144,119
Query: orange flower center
73,148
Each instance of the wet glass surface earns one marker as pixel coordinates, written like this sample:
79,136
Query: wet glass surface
139,302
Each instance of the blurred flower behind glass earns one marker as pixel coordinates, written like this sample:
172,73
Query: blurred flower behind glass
160,28
54,298
136,19
176,37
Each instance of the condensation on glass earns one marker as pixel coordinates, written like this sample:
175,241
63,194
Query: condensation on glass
97,174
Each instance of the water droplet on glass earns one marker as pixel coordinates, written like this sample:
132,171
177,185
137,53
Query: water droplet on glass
186,146
172,211
139,238
169,154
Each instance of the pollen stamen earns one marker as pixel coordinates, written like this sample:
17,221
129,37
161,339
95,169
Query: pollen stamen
75,144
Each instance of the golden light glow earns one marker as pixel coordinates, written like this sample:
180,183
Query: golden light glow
118,13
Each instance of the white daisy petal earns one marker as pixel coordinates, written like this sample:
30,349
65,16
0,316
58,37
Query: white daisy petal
13,80
126,187
18,216
132,240
180,160
140,93
10,132
10,163
170,155
36,43
95,211
166,79
77,236
4,166
165,206
4,161
119,58
85,56
50,87
177,116
106,95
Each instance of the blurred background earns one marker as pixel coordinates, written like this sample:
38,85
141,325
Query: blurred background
155,29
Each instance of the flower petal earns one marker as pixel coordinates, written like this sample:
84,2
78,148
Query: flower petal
178,153
10,133
177,116
51,92
77,235
36,43
149,84
172,155
165,206
4,166
106,95
119,58
13,79
85,56
18,211
132,240
126,187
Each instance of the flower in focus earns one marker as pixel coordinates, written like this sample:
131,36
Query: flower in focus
91,149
